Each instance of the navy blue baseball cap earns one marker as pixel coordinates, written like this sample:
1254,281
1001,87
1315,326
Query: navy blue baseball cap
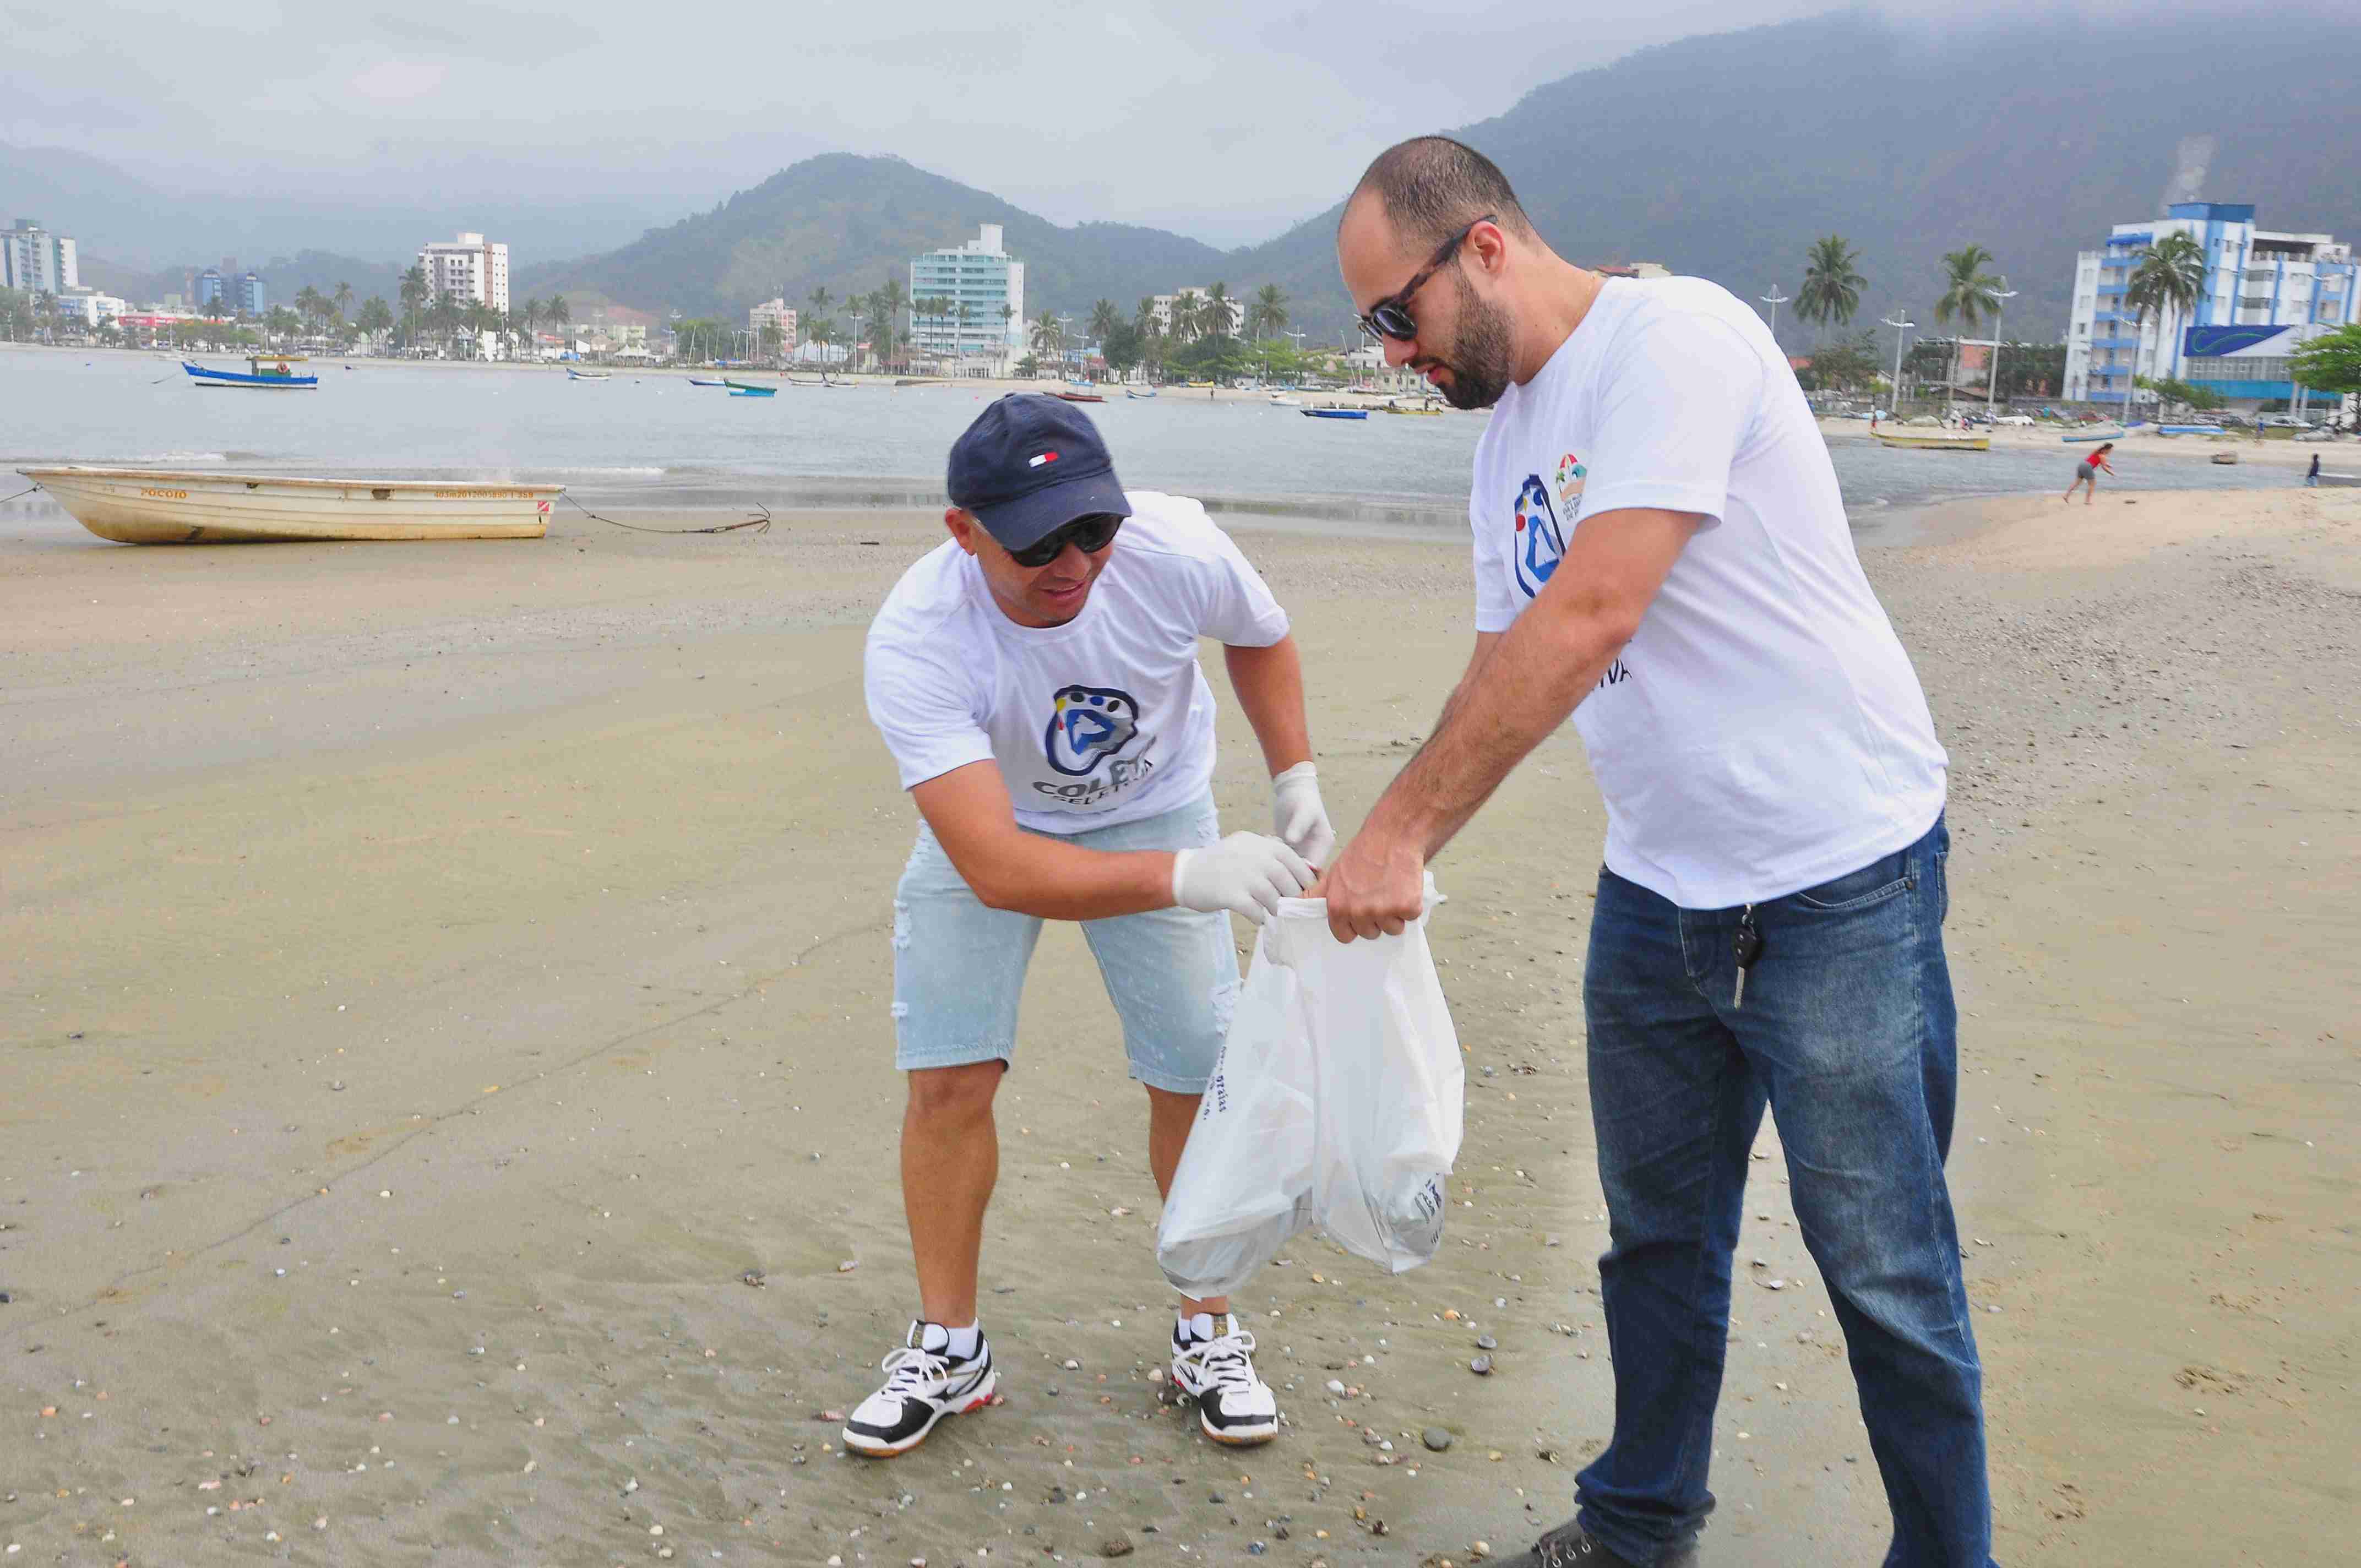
1030,465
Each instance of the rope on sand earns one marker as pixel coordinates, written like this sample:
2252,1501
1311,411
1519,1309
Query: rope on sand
759,524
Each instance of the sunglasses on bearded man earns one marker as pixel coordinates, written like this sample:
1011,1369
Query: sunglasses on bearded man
1390,317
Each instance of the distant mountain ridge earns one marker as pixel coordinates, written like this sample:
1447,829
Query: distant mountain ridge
847,223
1727,156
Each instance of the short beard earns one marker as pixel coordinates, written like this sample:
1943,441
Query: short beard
1481,362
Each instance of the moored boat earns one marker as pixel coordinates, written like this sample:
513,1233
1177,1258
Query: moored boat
2099,435
701,381
1135,393
154,505
1935,440
271,371
737,391
574,375
1079,397
1335,414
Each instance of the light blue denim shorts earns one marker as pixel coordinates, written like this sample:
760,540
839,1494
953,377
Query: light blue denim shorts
959,966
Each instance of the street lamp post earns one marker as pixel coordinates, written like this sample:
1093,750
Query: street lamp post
1992,396
1775,299
1899,326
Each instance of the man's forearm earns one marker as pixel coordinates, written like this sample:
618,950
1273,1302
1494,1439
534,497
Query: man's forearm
1269,683
1509,703
1056,881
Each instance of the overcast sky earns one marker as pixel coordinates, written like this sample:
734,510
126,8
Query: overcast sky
1225,119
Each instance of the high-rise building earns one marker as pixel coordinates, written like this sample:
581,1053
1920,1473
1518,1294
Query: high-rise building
37,261
252,296
468,268
209,287
978,295
774,316
2263,294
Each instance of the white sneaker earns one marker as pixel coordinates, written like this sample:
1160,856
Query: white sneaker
1233,1405
923,1383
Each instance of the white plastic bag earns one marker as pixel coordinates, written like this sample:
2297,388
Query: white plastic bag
1336,1102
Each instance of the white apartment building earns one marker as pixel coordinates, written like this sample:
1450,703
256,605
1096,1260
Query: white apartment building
2263,293
468,267
37,261
983,279
776,315
89,307
1163,305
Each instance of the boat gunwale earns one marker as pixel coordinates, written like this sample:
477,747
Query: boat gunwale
210,476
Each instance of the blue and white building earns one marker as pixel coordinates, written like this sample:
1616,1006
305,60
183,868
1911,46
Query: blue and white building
983,277
2263,293
37,261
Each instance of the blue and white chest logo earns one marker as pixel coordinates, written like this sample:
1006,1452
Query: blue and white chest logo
1539,545
1087,725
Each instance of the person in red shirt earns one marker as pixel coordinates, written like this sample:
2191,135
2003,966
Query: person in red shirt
2086,472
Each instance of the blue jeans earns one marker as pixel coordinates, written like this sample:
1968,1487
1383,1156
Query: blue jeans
1847,1030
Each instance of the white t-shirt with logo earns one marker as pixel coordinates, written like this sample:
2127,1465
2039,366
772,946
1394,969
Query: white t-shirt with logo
1763,732
1104,720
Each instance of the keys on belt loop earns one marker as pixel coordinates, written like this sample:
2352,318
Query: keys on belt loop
1746,948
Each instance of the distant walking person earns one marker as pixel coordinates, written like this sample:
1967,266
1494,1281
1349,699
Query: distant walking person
1661,555
2311,475
2086,472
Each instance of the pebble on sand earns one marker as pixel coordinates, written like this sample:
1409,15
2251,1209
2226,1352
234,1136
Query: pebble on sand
1481,1366
1435,1438
1115,1546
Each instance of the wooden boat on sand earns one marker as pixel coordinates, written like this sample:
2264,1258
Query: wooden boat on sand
1935,440
154,505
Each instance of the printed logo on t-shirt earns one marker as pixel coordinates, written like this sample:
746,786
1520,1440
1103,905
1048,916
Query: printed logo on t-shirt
1088,725
1539,545
1089,728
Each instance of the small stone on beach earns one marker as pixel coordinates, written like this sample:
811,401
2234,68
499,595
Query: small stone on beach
1435,1438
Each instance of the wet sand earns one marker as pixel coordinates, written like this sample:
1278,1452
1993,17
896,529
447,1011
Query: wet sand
435,981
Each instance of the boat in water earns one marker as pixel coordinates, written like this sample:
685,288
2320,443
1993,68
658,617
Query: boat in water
738,391
1280,400
1333,413
271,371
701,381
574,375
1137,394
1079,397
1935,440
1423,411
159,506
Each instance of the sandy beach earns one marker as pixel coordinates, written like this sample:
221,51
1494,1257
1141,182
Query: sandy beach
450,1105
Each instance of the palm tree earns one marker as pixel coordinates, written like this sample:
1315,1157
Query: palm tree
375,319
531,314
1048,338
560,315
312,304
415,293
1008,315
2165,283
344,298
1831,290
1215,312
1104,319
894,300
1269,312
1188,316
1970,293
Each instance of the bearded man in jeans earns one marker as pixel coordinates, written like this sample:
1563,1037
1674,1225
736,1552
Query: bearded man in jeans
1662,554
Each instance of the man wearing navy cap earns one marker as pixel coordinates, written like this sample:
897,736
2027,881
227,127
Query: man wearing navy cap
1036,678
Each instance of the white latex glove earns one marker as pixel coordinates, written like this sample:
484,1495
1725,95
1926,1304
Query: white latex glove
1299,817
1245,872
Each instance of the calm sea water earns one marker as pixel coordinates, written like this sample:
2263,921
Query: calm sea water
653,441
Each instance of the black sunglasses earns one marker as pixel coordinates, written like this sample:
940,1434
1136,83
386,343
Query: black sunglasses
1090,534
1390,317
